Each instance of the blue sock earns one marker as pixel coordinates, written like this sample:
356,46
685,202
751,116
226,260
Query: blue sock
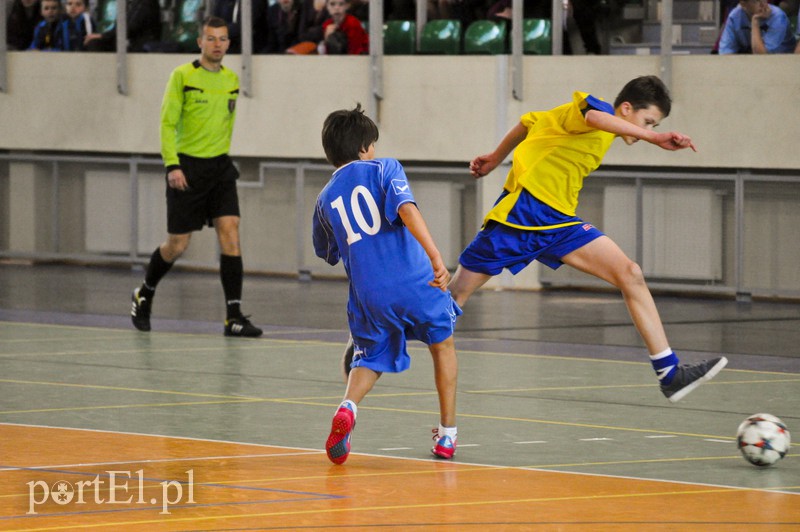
666,364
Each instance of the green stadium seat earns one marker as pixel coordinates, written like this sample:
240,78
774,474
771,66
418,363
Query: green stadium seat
399,37
485,37
441,36
537,36
106,15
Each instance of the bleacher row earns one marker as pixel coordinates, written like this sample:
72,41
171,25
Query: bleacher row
442,36
179,21
439,36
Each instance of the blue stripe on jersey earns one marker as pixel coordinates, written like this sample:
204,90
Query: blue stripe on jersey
598,105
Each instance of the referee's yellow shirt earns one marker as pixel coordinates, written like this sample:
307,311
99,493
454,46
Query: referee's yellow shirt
198,112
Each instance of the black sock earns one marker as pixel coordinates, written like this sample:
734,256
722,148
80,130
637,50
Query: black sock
157,268
231,272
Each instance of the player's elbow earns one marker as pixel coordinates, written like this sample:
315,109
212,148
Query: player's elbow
592,118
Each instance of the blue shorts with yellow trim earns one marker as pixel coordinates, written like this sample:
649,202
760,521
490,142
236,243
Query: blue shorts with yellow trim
499,246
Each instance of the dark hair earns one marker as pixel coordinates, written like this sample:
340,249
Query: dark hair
213,22
346,133
643,92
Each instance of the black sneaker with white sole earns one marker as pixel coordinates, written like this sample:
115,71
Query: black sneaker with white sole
690,376
241,327
140,311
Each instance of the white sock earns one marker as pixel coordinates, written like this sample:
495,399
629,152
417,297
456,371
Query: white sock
662,354
350,404
448,431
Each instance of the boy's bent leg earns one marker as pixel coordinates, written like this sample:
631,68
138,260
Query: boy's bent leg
464,283
604,259
445,371
360,382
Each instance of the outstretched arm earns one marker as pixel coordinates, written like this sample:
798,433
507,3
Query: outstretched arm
669,140
413,220
483,164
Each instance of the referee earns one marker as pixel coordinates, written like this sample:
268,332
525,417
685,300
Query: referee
197,116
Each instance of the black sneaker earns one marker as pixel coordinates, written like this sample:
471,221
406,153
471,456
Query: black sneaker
690,376
140,311
347,358
241,327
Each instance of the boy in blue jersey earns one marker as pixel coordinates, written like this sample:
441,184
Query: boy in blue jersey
366,216
534,217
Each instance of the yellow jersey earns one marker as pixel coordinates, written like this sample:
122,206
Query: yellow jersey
559,151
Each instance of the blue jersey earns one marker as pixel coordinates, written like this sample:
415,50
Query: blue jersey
356,220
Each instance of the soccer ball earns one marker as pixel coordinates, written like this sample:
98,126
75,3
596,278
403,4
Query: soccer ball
763,439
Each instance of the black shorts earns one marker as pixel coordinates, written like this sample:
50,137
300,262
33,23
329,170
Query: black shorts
211,194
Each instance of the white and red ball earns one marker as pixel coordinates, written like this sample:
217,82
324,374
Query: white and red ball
763,439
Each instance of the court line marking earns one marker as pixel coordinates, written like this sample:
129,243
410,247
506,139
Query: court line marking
321,342
11,324
126,389
158,460
375,408
314,401
404,507
458,465
184,350
124,406
377,394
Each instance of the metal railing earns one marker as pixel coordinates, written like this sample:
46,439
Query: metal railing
735,183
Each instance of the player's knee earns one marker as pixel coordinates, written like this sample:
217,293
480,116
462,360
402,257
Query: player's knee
631,275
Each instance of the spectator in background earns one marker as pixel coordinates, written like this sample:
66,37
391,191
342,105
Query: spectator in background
283,25
465,11
343,33
756,27
44,35
313,16
586,13
74,28
231,12
143,19
310,34
22,20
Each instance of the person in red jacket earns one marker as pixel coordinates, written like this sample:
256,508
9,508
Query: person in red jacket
343,33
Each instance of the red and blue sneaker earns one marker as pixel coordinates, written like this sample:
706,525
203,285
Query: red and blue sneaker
338,444
445,446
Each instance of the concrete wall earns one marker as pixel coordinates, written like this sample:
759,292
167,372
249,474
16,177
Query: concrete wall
437,111
739,109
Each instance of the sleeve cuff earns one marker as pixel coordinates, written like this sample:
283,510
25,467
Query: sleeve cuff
172,167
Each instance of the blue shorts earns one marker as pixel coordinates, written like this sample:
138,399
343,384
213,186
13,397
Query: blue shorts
499,246
383,347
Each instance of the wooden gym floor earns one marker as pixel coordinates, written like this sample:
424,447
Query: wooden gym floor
561,424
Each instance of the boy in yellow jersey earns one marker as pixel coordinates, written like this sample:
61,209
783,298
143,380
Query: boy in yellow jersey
534,218
197,116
